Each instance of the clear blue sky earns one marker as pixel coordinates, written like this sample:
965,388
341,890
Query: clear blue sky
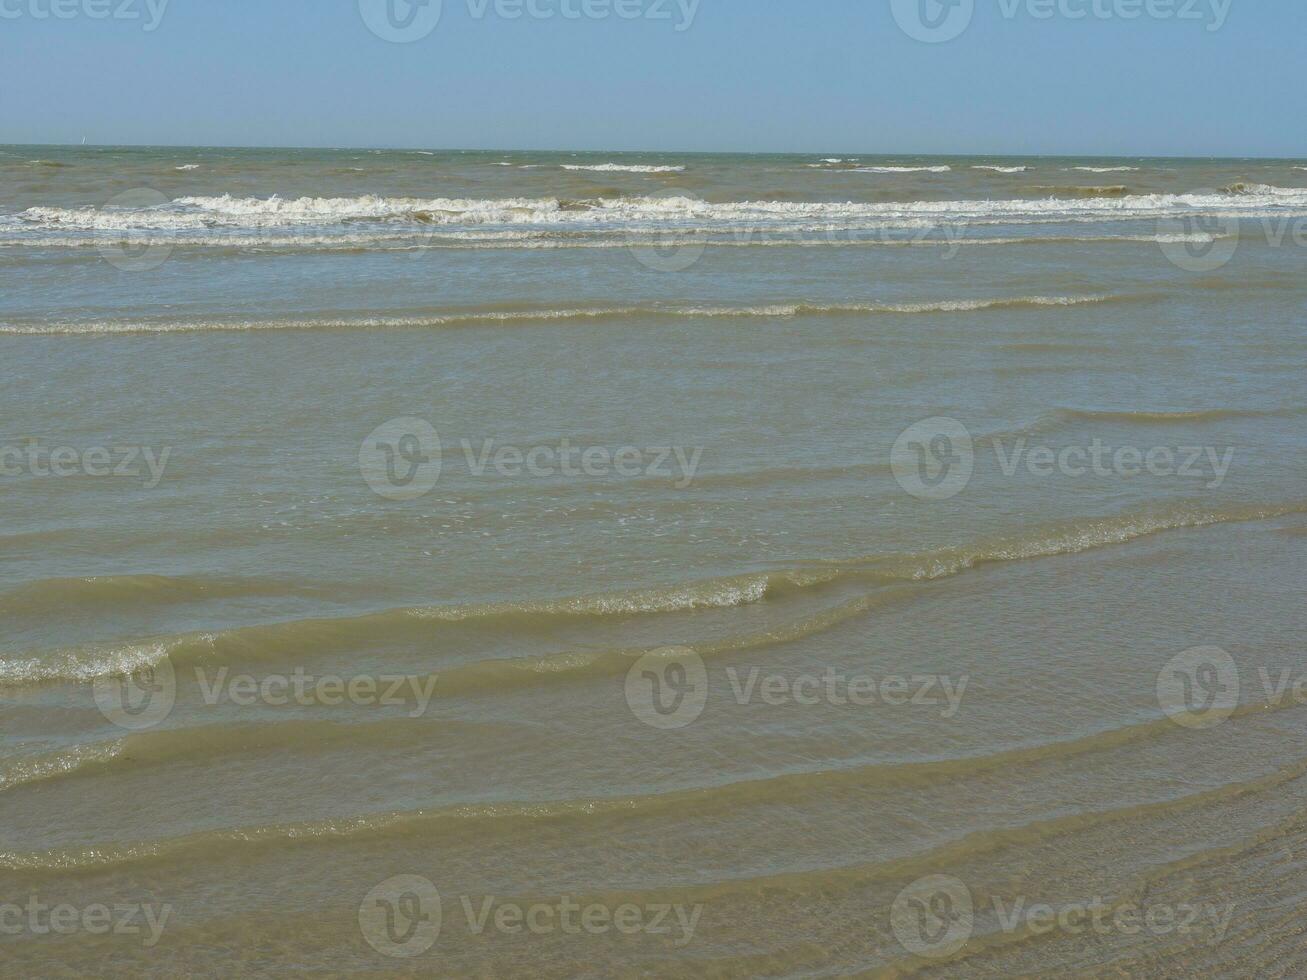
748,75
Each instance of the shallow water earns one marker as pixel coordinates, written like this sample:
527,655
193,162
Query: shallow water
804,566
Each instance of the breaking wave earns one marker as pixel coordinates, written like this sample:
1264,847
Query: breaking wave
481,317
634,214
305,636
903,170
624,168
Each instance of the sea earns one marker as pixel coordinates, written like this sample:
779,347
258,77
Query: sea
551,564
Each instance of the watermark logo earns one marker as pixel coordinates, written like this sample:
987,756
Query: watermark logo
148,12
401,459
682,12
1212,13
1207,242
933,917
39,918
304,690
401,917
688,226
836,688
401,21
140,700
143,463
937,21
1199,242
1210,463
669,249
1199,688
406,21
570,918
145,698
934,459
138,250
668,689
933,21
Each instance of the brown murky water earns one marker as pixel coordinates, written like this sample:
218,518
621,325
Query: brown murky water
414,565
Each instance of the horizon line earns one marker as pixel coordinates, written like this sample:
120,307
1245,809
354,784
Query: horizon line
648,152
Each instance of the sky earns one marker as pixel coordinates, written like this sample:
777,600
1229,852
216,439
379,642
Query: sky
1019,77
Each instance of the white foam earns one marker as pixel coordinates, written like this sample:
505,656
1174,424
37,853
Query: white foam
623,168
1197,238
790,237
1268,190
472,318
1106,170
903,170
1002,170
188,166
77,664
225,215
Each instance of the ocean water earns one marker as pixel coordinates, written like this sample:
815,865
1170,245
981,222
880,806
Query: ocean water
590,565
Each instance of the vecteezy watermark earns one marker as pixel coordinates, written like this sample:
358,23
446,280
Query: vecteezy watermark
935,917
306,690
139,229
1212,14
1201,687
150,12
838,688
38,918
1100,459
403,459
935,459
403,916
668,689
1198,242
680,226
34,458
138,249
401,21
937,21
406,21
947,236
145,698
679,13
669,249
139,700
1207,242
933,21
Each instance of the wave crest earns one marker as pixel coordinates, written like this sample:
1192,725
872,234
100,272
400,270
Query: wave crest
598,314
624,168
89,663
